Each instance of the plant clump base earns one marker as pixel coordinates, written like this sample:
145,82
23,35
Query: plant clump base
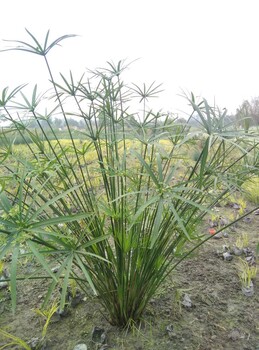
222,317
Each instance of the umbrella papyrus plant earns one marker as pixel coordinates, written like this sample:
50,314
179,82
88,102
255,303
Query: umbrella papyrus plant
116,202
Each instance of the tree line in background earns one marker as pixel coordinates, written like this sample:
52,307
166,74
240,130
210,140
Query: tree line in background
246,115
249,112
59,123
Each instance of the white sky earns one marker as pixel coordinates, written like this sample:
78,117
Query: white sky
209,47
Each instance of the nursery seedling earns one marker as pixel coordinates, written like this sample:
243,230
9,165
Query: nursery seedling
243,241
214,219
242,203
246,273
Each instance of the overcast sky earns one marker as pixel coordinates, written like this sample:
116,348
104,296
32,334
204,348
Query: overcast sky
209,47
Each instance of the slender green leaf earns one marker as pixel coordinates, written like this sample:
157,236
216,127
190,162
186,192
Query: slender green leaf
40,258
86,274
53,200
142,208
179,221
64,287
93,241
55,282
4,249
157,223
13,274
58,220
5,203
147,167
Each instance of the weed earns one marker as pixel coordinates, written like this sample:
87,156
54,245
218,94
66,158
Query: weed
178,297
143,331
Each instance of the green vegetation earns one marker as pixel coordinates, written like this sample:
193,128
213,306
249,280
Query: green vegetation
117,209
47,315
242,241
14,341
246,273
248,113
251,190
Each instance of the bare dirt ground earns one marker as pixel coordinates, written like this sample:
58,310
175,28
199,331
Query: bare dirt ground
220,316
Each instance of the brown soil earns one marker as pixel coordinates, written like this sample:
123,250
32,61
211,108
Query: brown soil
221,316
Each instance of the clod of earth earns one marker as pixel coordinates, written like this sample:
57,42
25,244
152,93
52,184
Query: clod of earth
218,235
63,313
187,303
99,335
223,221
170,331
227,256
55,318
34,342
250,260
55,269
248,252
80,347
29,269
247,220
219,252
234,335
104,347
213,223
237,251
75,300
3,284
6,273
170,328
225,248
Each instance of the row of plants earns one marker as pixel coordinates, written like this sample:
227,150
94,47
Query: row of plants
119,236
